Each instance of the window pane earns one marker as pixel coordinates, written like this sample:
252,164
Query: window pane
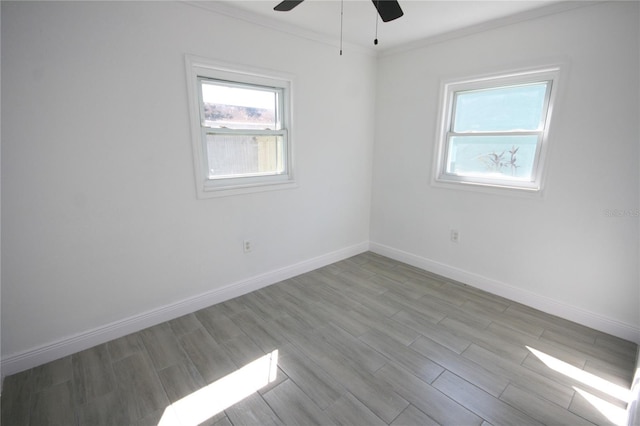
238,107
244,155
502,157
500,109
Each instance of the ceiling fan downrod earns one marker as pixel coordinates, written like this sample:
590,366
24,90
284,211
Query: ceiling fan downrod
341,23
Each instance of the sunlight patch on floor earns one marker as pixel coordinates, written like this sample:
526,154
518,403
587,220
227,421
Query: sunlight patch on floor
582,376
612,412
212,399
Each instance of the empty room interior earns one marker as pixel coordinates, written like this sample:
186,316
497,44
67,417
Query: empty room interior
220,213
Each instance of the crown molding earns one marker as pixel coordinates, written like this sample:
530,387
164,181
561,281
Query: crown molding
225,9
540,12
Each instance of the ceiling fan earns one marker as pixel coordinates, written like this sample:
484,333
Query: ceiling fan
387,9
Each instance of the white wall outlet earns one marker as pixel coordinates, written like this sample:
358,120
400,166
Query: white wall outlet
247,246
455,236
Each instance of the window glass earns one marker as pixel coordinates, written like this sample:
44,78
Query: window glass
500,109
233,155
239,107
504,157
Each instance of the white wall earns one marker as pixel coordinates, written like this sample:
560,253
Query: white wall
559,252
100,220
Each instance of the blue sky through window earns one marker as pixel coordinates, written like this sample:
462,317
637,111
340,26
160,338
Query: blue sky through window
500,109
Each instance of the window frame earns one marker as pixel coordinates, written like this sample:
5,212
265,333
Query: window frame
199,69
448,94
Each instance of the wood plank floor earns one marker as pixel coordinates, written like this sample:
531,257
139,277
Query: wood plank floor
365,341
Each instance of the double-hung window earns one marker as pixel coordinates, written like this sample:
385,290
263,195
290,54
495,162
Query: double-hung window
241,129
494,130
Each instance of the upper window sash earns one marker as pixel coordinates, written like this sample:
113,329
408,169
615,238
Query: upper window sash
270,98
536,100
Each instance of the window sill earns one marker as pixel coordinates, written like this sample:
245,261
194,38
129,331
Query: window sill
209,189
487,188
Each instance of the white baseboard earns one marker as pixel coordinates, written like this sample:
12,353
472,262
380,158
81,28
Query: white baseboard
89,338
537,301
37,356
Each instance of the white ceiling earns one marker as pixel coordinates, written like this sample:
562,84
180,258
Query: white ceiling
422,20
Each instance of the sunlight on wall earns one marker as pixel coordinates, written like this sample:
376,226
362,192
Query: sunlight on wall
205,403
612,412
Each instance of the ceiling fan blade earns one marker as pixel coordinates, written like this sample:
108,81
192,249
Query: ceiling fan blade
388,9
287,5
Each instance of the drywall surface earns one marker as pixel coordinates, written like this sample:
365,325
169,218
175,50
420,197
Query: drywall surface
575,245
100,218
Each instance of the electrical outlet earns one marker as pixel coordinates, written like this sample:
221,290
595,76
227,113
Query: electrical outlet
455,236
247,246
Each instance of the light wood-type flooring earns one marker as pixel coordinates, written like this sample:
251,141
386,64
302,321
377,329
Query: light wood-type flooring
365,341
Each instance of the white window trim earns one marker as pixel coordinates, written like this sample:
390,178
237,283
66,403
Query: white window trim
503,186
197,67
